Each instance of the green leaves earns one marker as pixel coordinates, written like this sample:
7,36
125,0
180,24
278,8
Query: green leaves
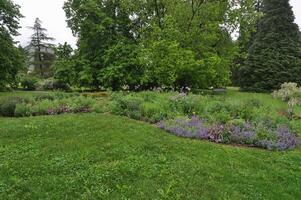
274,55
153,43
11,59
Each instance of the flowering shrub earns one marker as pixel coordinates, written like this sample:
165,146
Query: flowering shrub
246,134
290,93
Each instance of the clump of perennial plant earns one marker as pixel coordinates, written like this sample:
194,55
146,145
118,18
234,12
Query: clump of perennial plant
244,134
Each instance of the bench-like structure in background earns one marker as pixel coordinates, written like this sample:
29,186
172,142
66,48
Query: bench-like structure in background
219,91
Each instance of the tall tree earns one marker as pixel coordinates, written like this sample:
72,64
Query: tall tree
63,67
40,41
152,42
11,59
275,53
248,13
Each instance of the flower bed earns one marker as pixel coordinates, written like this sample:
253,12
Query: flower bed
280,138
249,122
48,104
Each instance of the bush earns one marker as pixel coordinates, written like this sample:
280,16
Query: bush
29,83
152,112
187,104
8,106
41,107
290,93
22,110
52,84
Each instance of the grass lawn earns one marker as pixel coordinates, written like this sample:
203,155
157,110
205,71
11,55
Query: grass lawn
94,156
101,156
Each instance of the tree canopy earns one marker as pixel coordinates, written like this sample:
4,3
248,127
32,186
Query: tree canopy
152,43
11,59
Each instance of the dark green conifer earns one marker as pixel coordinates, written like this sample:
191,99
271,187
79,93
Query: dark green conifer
275,54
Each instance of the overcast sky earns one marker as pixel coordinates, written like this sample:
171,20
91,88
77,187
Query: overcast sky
53,18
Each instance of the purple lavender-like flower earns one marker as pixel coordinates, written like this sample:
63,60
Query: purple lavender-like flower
86,110
245,134
51,111
286,139
194,122
191,128
242,135
202,133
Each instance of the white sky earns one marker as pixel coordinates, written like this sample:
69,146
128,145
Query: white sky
53,18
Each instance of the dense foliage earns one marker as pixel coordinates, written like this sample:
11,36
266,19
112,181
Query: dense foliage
148,44
11,59
275,53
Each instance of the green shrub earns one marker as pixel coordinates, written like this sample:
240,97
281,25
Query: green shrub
186,104
22,110
53,84
153,112
98,108
8,106
125,104
222,117
42,107
29,83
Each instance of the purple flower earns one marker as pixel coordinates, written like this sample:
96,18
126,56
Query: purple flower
51,111
242,135
285,140
191,128
219,133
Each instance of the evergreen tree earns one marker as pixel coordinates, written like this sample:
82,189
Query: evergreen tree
275,54
43,55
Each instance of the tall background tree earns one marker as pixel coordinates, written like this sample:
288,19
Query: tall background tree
152,43
274,55
11,59
248,13
42,54
63,66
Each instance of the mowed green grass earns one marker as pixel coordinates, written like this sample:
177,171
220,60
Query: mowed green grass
96,156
